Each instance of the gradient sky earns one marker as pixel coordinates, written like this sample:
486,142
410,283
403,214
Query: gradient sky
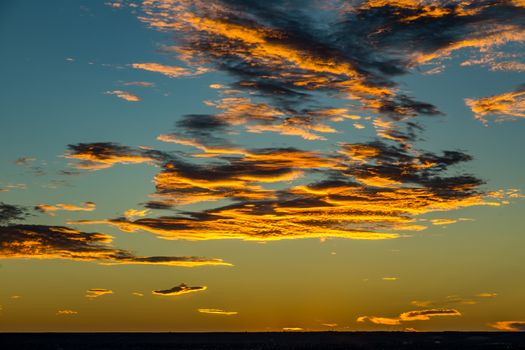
234,165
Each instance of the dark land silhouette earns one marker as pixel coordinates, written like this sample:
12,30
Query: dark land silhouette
263,341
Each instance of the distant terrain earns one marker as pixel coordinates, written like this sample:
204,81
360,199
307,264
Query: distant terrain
262,341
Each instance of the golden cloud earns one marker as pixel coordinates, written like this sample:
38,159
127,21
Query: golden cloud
66,312
97,292
504,106
512,326
409,316
51,209
217,312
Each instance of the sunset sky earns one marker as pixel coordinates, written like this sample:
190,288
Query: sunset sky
237,165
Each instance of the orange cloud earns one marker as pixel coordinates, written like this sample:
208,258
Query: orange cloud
102,155
504,106
57,242
51,209
293,329
134,213
512,326
127,96
417,315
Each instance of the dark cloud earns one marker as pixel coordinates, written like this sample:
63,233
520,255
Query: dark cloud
58,242
366,191
10,212
179,290
289,62
94,156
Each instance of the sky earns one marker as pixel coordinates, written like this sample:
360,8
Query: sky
237,165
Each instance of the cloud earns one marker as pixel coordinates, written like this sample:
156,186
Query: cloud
127,96
58,242
97,292
293,329
217,312
179,290
10,212
292,75
134,213
51,209
9,187
454,300
24,161
390,278
366,191
139,83
330,325
100,155
505,106
513,326
66,312
170,71
355,53
487,295
443,221
409,316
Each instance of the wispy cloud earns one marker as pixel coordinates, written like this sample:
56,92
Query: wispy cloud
513,326
454,300
293,329
66,312
124,95
409,316
505,106
25,161
145,84
134,213
170,71
51,209
97,292
390,278
217,312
